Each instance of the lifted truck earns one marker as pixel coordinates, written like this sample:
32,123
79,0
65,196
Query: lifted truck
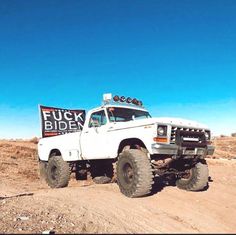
121,136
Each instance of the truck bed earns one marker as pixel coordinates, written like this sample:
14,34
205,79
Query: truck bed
68,145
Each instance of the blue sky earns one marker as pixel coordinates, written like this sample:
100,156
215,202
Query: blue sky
179,57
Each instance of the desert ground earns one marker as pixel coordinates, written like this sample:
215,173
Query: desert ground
28,205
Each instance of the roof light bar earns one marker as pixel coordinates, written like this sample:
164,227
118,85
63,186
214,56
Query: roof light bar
128,100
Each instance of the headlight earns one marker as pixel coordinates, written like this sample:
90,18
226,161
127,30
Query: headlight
162,130
207,135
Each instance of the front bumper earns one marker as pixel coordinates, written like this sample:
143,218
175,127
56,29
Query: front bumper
173,149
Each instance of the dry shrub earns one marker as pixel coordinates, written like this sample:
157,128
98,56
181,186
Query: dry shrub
223,136
34,140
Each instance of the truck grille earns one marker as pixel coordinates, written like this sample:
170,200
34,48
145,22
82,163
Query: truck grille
187,136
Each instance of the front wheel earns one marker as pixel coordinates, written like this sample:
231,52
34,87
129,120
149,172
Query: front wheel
134,173
196,178
58,172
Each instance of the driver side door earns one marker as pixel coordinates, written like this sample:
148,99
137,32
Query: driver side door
94,137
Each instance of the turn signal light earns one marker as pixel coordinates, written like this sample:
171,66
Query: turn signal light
160,139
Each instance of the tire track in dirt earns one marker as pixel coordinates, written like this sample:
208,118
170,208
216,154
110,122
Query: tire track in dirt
84,207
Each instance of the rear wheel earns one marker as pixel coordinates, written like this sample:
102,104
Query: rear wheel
58,172
196,178
134,173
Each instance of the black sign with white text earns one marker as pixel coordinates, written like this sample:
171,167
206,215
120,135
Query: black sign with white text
57,121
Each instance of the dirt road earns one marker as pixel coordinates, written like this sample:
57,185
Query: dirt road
28,205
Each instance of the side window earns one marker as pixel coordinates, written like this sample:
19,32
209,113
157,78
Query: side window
98,119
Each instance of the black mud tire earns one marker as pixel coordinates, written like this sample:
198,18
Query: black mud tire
42,170
102,180
102,171
58,172
134,173
197,180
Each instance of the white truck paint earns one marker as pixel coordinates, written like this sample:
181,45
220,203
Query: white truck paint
118,131
103,142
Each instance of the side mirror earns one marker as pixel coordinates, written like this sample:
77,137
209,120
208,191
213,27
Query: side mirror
94,123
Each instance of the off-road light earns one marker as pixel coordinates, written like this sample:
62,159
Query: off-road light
140,103
122,99
128,100
116,98
135,101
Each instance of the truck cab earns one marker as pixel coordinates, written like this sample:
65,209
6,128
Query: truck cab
108,126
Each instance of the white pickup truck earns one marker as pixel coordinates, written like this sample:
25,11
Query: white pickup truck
120,140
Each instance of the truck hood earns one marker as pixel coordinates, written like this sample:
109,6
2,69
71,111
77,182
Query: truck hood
163,120
180,122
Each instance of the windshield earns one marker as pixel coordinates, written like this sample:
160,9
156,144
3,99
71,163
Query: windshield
124,114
